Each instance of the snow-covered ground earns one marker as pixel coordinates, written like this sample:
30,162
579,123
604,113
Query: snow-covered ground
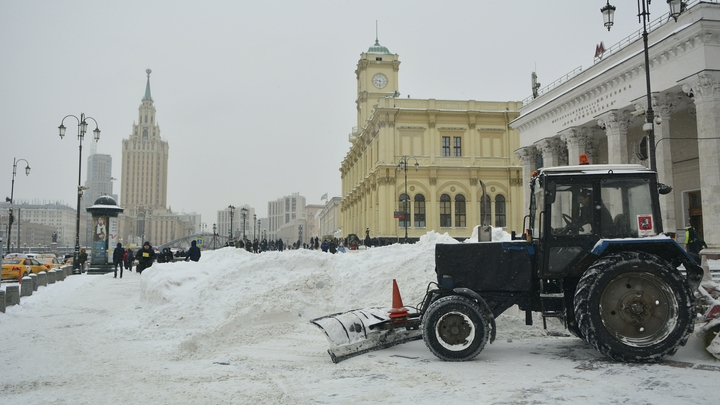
234,328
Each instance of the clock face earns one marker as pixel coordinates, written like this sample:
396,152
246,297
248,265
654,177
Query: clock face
379,80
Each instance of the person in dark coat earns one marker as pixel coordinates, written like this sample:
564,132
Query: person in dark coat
193,253
118,256
129,259
165,256
82,260
145,256
694,241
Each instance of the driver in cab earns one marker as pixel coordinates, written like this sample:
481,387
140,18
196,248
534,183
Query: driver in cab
582,224
585,215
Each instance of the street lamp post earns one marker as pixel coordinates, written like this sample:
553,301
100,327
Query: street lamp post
676,8
243,212
214,236
82,129
12,195
403,166
254,227
232,214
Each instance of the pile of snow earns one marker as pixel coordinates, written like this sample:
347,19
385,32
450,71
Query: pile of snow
232,294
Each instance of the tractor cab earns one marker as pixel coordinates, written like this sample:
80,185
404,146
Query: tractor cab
574,207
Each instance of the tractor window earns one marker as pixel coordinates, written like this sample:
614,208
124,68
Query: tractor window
630,205
537,205
572,210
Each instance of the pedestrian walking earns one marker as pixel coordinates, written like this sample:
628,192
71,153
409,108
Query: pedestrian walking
693,240
145,256
129,259
118,258
82,260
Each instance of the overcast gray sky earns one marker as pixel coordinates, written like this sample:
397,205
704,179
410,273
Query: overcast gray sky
257,98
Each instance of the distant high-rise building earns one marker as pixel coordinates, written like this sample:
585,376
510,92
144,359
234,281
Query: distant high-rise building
99,179
144,161
286,216
143,185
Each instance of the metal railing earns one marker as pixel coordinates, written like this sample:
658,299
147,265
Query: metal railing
555,84
613,49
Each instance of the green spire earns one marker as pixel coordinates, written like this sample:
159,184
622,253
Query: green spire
377,48
147,86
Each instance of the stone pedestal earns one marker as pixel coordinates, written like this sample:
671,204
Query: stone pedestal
26,287
12,295
42,279
34,278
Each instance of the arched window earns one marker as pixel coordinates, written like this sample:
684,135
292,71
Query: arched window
485,210
419,211
404,206
445,211
460,211
145,133
500,211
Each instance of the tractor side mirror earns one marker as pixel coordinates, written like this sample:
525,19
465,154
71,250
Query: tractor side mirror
664,189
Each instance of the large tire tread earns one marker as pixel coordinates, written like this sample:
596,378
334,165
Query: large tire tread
587,306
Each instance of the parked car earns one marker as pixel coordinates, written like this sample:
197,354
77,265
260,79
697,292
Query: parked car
15,268
50,262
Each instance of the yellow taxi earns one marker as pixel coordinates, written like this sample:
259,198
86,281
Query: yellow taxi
18,267
50,262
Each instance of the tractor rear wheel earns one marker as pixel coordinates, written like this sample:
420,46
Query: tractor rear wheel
634,307
455,328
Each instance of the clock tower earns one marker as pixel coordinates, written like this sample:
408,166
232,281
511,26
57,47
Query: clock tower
377,76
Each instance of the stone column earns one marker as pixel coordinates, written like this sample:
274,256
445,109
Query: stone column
664,106
616,126
705,89
384,215
473,203
432,204
591,146
577,140
552,150
528,158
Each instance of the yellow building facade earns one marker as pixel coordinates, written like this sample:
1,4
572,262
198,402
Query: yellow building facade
451,152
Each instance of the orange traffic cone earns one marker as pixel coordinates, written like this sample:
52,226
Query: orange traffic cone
398,311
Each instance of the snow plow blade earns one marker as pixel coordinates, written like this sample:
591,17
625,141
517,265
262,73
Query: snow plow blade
364,330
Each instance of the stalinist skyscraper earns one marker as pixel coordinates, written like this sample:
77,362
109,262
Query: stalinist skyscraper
143,186
144,160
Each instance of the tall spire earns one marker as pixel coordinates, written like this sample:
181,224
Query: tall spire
147,86
377,48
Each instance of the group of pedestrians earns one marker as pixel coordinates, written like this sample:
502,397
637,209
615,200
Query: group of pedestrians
124,258
257,246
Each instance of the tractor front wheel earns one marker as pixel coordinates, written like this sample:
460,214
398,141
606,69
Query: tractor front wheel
455,328
634,307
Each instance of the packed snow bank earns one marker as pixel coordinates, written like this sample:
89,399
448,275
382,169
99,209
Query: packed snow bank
231,293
